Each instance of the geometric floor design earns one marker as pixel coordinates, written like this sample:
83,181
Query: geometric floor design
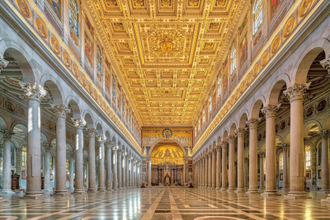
164,203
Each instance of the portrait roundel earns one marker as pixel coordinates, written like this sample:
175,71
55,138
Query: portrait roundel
167,133
10,106
22,112
24,8
41,28
309,112
321,106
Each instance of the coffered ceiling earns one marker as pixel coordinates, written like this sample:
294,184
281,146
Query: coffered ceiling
166,51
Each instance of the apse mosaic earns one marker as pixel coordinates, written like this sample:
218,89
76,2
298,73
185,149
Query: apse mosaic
150,136
167,154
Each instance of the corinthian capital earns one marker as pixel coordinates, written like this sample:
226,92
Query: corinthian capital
79,122
324,133
326,64
270,110
231,138
240,132
101,138
296,91
3,63
285,146
47,147
223,144
253,123
7,134
115,148
61,110
33,90
91,132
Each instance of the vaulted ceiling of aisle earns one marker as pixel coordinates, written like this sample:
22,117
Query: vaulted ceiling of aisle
167,51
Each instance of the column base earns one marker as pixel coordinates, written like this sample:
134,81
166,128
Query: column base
223,189
79,191
324,192
297,195
240,190
270,194
102,189
7,192
61,193
34,196
253,192
109,189
322,200
217,188
92,190
230,190
120,188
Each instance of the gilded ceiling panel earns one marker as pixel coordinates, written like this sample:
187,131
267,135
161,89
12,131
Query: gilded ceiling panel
166,52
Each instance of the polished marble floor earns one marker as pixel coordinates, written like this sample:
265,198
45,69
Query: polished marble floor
164,204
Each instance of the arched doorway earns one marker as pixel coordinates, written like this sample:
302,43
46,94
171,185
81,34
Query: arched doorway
167,160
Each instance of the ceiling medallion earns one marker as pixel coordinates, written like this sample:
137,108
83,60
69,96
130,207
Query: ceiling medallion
166,45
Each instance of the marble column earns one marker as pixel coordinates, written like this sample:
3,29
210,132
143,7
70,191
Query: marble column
124,169
218,168
210,170
47,187
270,113
101,183
109,165
115,169
224,165
6,181
60,171
213,168
71,156
119,174
79,123
253,168
34,93
297,152
231,173
246,172
285,148
325,161
149,172
91,160
261,165
240,160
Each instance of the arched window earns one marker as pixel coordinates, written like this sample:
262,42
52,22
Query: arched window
203,116
219,85
233,60
257,15
99,60
113,87
199,124
50,161
129,116
73,17
210,104
67,165
308,156
281,161
24,153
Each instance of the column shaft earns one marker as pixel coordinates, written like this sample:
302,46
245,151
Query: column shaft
79,162
253,168
224,166
240,159
231,172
